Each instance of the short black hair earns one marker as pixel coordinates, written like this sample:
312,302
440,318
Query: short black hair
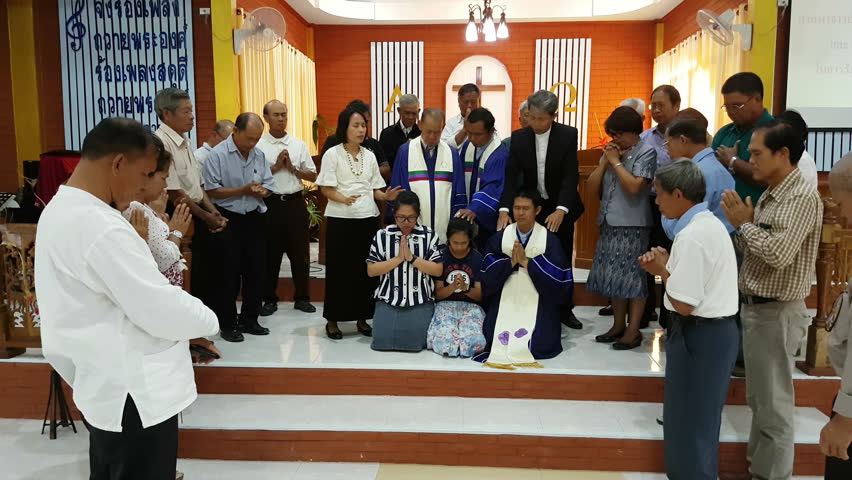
164,157
747,83
778,134
673,94
623,120
482,115
795,119
689,128
343,122
460,225
469,88
359,106
408,198
112,136
243,120
693,115
532,195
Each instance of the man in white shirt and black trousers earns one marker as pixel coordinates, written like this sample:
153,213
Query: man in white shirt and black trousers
287,225
543,157
112,325
700,277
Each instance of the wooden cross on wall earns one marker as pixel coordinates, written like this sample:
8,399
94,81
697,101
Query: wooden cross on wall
482,88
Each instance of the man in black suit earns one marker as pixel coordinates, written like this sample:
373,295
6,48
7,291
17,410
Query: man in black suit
543,157
405,129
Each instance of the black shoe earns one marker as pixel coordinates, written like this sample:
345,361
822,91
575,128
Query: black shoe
605,311
366,331
604,338
254,329
333,335
647,318
305,306
231,336
268,308
572,322
628,346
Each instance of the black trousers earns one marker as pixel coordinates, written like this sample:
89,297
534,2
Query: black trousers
237,257
286,228
658,239
135,453
200,275
837,469
565,234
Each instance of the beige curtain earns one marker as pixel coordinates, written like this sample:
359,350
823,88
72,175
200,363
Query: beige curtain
286,74
699,66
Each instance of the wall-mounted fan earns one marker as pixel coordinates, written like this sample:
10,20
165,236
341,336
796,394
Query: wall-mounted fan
263,29
721,28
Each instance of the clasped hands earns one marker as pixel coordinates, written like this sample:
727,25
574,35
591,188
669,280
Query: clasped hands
459,283
737,211
404,254
519,255
655,261
255,189
612,154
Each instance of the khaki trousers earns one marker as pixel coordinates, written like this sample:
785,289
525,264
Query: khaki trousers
772,332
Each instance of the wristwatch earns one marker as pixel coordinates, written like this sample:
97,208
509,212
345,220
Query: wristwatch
732,163
177,234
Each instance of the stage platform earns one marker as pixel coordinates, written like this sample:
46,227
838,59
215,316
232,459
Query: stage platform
296,395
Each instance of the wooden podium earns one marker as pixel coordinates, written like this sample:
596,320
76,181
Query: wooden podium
586,229
19,318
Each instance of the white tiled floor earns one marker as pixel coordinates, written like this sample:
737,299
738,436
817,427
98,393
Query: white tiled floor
552,418
298,340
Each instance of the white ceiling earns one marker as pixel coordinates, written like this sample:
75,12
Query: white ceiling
390,12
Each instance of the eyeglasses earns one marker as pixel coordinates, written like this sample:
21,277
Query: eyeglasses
402,219
736,107
656,106
666,143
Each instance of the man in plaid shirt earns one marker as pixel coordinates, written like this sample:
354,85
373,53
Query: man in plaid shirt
779,238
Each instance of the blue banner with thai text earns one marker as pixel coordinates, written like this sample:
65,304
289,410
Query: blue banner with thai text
116,56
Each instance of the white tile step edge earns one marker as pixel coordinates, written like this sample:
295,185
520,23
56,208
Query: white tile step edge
454,415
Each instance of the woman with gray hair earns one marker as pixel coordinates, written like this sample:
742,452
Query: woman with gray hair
623,181
700,278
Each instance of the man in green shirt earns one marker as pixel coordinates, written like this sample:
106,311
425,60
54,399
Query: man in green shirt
743,95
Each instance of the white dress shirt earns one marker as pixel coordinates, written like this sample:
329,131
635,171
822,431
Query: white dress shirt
111,324
285,182
185,171
337,172
807,166
201,154
703,268
451,129
541,160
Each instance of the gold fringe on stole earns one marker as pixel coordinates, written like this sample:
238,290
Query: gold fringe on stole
501,366
529,365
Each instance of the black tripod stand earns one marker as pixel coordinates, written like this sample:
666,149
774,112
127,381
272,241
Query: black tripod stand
57,407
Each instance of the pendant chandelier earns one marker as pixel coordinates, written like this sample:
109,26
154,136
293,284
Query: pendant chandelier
486,25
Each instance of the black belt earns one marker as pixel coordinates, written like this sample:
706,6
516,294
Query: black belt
286,197
755,300
694,320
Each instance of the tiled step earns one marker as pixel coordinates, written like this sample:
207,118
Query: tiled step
571,435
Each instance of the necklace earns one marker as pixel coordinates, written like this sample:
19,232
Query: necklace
352,161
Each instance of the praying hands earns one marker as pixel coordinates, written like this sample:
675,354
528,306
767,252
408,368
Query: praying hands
519,255
737,211
655,261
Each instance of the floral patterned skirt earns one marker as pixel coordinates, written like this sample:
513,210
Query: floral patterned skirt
456,329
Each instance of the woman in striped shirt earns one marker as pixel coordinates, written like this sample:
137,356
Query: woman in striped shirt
405,256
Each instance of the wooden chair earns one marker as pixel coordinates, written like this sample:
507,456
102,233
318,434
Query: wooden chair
833,268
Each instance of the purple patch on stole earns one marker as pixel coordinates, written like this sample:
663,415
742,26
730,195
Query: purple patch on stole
520,333
504,338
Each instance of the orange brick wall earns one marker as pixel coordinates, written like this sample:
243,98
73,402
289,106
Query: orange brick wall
679,24
8,155
622,60
205,88
297,27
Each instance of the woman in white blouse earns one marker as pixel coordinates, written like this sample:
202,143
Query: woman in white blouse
349,177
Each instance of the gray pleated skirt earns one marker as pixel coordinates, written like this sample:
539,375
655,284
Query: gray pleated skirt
401,328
